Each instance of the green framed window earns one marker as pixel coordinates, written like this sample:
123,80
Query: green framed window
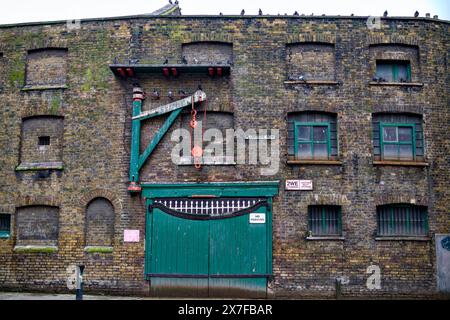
402,220
393,70
5,225
325,220
312,140
397,141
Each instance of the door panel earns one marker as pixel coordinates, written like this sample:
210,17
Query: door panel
238,247
179,247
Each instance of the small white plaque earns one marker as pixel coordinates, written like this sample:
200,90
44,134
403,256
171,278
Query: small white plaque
131,235
257,218
299,185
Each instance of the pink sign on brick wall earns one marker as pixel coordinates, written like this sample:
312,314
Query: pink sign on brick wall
131,235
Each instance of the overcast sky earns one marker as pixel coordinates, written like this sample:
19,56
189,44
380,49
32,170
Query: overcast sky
14,11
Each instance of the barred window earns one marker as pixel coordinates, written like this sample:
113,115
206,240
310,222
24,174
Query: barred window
325,220
5,225
402,220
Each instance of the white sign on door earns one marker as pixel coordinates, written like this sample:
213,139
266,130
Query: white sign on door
299,185
257,218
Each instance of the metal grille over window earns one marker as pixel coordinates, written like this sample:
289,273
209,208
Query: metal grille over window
402,220
325,220
213,207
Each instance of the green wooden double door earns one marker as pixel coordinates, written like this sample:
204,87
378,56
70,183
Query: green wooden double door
208,248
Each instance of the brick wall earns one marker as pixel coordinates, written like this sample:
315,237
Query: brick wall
97,133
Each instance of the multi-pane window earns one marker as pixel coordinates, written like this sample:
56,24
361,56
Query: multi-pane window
5,225
398,137
397,141
312,140
312,136
325,220
402,220
393,70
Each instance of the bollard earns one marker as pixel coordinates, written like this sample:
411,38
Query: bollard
79,293
338,285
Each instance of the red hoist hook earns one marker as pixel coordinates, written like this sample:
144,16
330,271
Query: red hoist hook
197,151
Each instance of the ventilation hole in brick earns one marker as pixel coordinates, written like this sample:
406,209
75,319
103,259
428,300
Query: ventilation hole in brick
44,141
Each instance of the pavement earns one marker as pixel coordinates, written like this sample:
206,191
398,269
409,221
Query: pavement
50,296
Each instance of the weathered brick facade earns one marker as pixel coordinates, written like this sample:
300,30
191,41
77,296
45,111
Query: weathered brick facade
95,115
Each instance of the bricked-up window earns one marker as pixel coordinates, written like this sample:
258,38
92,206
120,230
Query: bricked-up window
41,140
46,67
5,225
313,61
398,137
325,220
402,220
393,71
312,136
215,129
37,225
208,52
99,223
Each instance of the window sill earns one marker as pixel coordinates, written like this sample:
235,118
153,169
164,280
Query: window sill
403,238
43,87
328,238
35,249
397,84
315,162
40,166
313,82
401,163
98,249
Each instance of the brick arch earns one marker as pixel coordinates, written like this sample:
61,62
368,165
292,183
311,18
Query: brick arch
301,107
393,108
394,39
207,37
325,38
313,110
48,44
27,200
41,110
101,193
327,199
399,197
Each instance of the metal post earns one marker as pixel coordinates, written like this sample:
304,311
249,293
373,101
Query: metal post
79,292
138,97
